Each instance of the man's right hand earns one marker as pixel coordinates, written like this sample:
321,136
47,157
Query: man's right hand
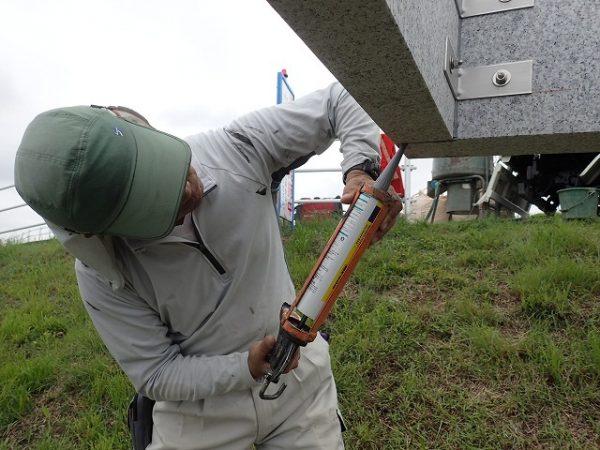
258,358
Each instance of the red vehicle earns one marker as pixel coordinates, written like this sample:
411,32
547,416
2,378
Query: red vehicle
319,208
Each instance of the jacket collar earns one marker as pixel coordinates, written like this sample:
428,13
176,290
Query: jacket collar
98,252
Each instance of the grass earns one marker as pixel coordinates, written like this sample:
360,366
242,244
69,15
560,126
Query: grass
467,335
471,335
60,389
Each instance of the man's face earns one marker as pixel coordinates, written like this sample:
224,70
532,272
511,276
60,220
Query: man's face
194,190
192,196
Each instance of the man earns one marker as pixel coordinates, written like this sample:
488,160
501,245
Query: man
180,262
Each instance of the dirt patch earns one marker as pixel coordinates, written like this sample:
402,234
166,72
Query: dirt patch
417,294
46,415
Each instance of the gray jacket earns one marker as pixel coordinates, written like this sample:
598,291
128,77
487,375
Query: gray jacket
179,314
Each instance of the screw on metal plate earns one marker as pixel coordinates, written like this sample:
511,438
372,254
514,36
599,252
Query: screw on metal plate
472,82
501,78
455,63
504,1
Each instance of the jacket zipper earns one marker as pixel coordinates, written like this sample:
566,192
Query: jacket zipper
205,251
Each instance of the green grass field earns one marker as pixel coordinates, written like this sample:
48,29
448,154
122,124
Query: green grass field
467,335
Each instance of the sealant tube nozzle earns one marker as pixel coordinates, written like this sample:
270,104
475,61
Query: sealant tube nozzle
384,180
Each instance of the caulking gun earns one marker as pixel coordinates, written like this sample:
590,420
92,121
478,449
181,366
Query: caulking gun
301,320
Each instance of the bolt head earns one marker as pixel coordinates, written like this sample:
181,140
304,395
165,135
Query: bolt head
501,78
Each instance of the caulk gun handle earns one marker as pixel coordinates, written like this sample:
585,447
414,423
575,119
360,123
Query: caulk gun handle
385,179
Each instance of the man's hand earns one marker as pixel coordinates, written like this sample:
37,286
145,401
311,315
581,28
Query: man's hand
258,358
354,181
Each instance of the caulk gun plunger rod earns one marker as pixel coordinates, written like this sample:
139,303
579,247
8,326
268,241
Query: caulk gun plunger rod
385,179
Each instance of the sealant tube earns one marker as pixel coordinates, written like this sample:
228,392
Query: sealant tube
335,262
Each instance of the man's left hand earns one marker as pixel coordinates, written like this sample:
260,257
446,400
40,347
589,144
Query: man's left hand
354,182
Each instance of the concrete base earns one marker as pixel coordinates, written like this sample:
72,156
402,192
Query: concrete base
389,54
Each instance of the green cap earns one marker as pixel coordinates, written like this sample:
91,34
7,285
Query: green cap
88,171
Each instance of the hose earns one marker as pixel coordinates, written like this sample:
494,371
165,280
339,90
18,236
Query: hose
434,204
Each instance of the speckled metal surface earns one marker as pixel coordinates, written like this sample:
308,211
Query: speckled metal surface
390,73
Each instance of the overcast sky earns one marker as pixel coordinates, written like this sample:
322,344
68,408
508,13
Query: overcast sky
187,65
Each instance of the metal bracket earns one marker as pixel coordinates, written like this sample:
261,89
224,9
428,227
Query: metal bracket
498,80
470,8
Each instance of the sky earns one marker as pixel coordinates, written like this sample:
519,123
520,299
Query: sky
188,66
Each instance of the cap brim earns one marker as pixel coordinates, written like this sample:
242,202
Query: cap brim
161,169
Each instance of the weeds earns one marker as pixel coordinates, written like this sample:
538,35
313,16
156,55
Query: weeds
471,335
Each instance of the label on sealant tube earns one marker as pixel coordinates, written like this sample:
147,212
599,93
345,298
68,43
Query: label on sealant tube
341,252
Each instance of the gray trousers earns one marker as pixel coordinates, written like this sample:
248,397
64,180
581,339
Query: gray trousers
304,417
